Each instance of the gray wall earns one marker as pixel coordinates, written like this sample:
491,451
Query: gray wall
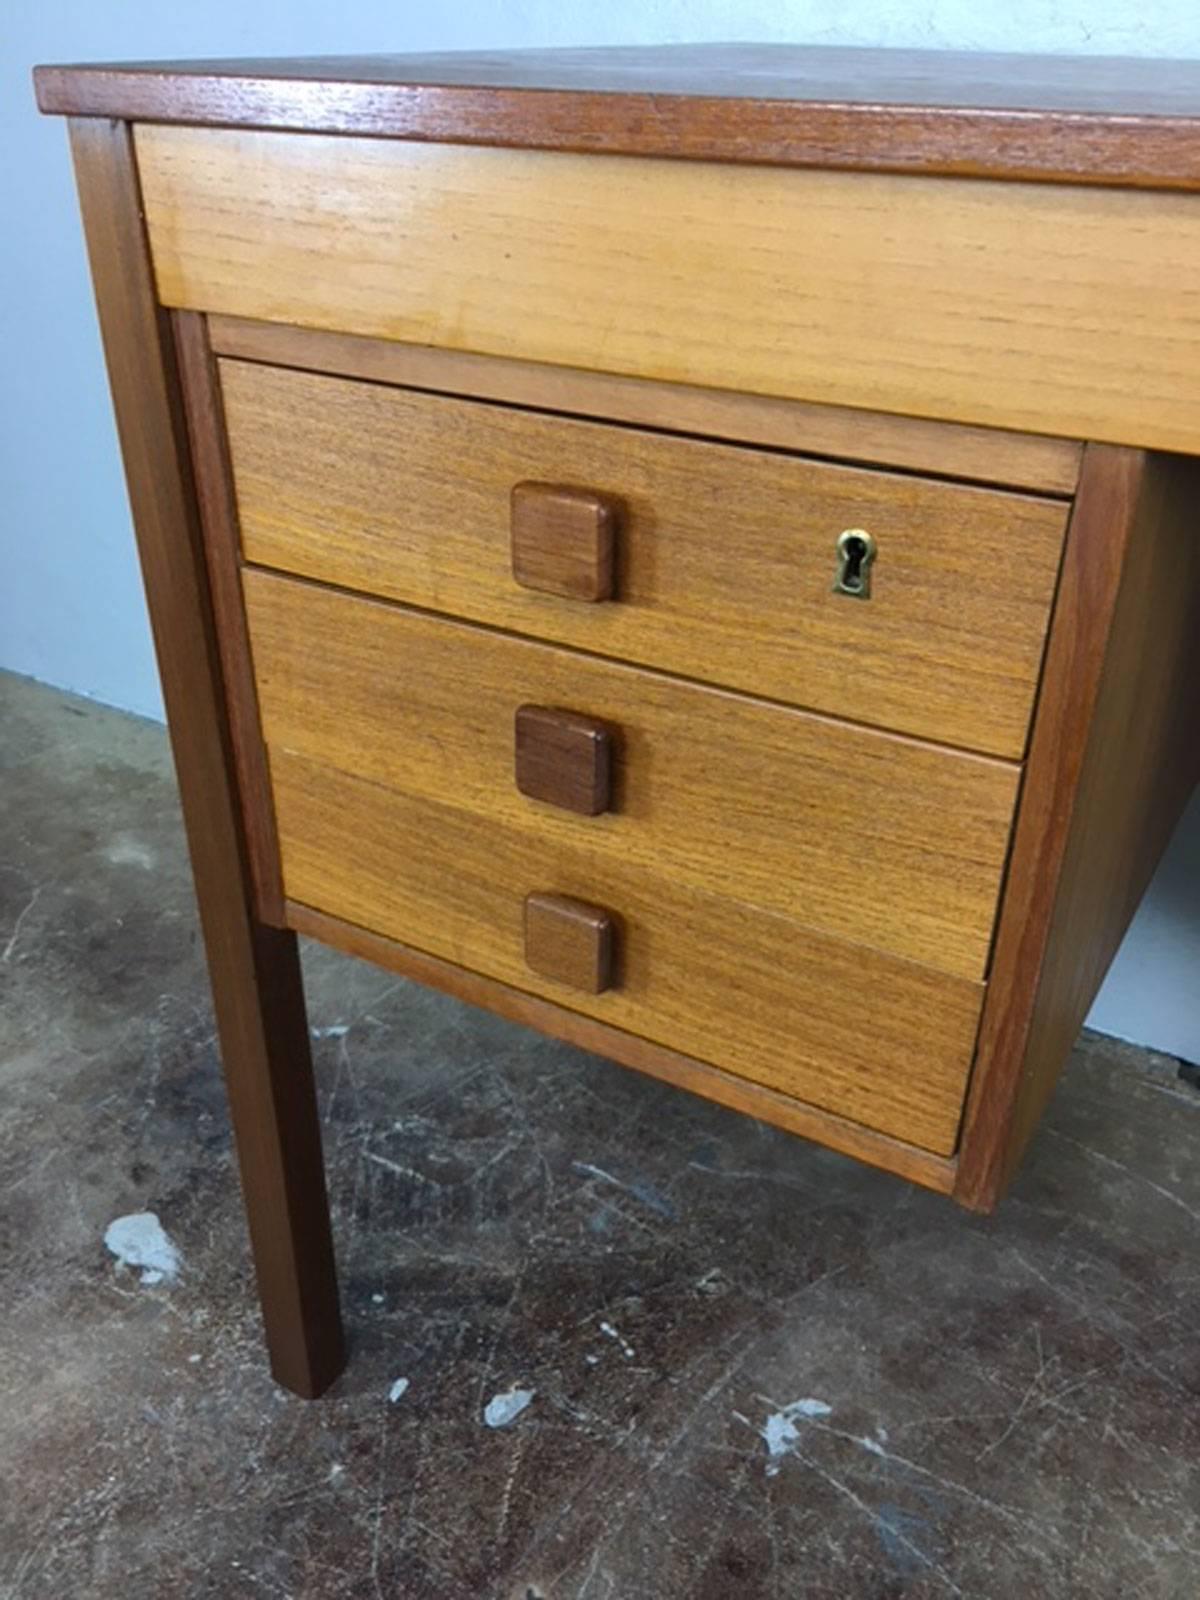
71,608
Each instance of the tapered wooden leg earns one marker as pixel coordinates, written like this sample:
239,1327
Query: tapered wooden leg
268,1070
254,967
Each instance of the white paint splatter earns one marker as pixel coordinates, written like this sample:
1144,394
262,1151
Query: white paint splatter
610,1332
126,851
398,1390
376,1299
139,1240
506,1407
336,1030
781,1432
592,1360
195,1357
714,1281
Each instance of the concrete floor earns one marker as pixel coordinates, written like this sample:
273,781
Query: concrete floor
1006,1407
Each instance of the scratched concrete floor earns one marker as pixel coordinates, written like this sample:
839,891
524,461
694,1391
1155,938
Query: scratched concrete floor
999,1408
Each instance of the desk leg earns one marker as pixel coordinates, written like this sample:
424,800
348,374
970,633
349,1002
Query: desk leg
254,968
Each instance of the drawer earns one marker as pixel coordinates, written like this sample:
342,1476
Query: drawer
871,838
725,557
884,1042
1036,306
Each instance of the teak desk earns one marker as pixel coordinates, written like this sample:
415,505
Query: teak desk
694,549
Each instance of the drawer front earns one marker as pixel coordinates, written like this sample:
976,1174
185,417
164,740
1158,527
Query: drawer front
1048,309
886,1043
723,559
864,836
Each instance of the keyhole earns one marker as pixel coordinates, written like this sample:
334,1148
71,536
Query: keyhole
855,553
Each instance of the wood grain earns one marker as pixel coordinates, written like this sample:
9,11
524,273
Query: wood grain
570,942
254,969
348,482
943,449
863,835
564,540
685,1072
1093,119
883,1042
1114,759
563,759
218,522
772,281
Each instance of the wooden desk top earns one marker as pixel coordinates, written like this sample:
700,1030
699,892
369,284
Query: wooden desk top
1119,121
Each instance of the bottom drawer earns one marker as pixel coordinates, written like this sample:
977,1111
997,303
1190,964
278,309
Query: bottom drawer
885,1042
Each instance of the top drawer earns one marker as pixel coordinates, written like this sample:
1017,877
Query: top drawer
1034,306
725,556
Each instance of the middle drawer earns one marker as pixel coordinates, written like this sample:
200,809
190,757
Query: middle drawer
872,837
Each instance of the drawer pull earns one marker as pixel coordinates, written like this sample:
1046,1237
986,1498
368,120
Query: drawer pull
563,759
570,941
855,554
564,540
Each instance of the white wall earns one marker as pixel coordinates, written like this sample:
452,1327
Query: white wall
71,609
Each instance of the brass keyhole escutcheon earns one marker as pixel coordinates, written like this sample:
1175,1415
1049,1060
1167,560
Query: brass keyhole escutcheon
855,554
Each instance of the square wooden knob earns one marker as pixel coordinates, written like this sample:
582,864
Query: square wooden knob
563,759
564,540
570,941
